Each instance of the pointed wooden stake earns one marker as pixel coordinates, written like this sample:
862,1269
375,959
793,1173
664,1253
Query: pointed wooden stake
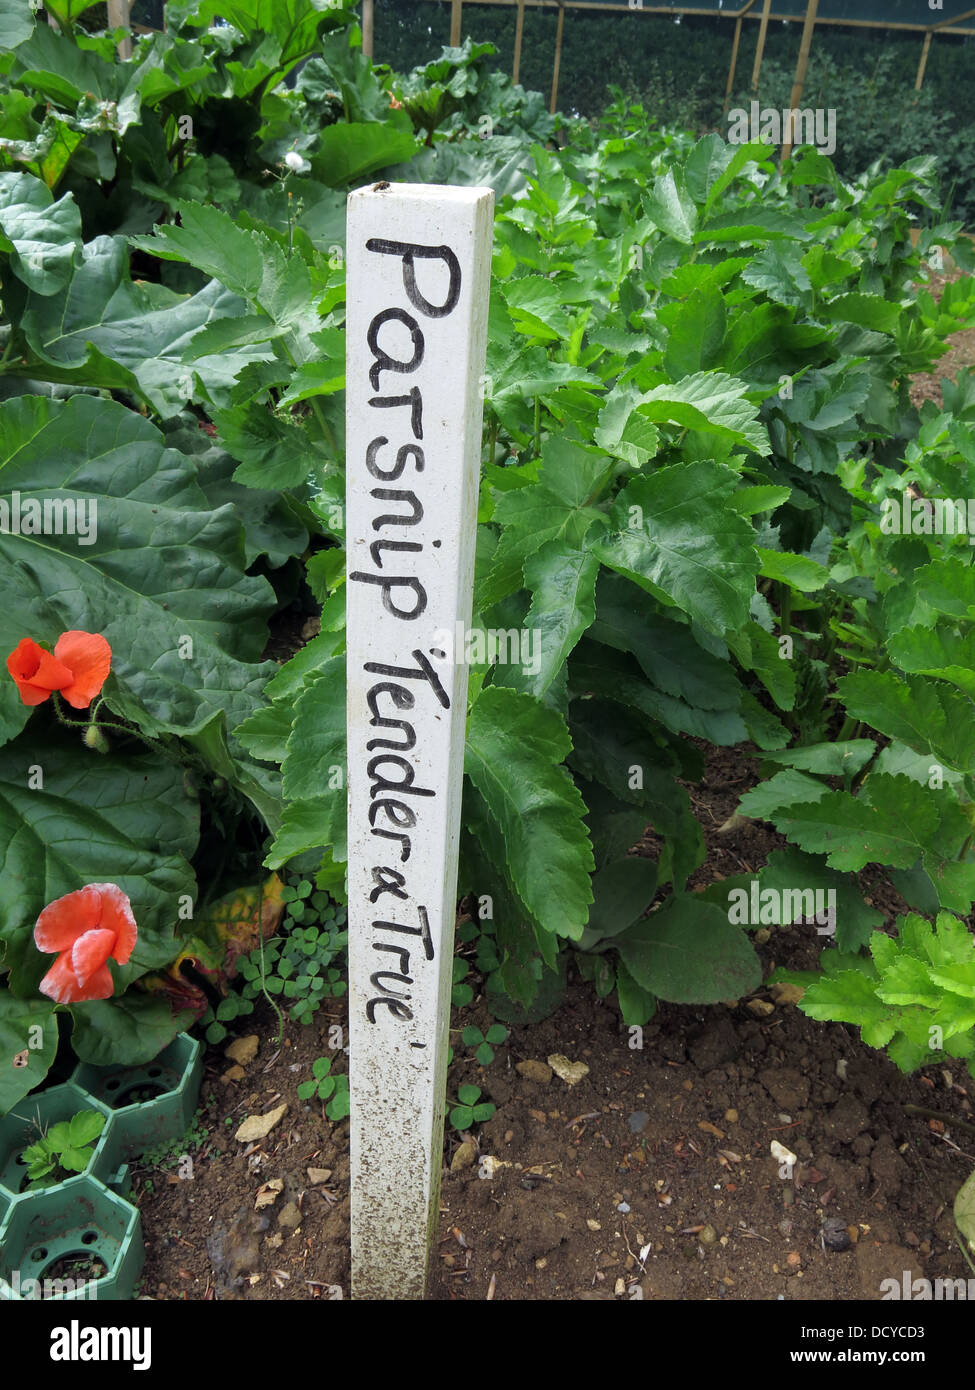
419,259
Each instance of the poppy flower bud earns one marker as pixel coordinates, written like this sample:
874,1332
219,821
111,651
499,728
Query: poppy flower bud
95,739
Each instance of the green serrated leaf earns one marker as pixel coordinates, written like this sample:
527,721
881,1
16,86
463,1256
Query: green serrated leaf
515,748
678,537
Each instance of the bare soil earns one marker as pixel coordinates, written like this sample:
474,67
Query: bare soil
961,353
651,1177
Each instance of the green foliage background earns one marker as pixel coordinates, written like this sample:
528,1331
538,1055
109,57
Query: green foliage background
699,367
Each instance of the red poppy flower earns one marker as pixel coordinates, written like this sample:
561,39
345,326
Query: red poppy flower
85,928
78,668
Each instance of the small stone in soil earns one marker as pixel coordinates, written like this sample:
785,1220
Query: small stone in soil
835,1234
533,1070
289,1216
242,1050
570,1072
464,1157
639,1121
260,1126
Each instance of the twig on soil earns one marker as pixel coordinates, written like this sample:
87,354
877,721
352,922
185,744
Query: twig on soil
491,1288
939,1115
636,1258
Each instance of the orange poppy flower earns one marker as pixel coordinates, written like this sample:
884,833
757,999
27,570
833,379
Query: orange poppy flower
85,928
78,668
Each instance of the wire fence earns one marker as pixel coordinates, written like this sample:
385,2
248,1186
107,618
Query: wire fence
533,35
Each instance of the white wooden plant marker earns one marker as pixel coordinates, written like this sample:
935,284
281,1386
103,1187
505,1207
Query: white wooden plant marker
419,260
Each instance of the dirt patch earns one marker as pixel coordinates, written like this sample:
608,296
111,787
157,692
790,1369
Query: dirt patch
651,1177
926,386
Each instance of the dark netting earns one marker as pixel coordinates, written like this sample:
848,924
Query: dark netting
899,75
915,13
147,12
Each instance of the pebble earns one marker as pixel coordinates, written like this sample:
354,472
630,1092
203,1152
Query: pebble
731,1116
761,1008
464,1157
835,1235
534,1071
708,1236
242,1050
638,1121
593,1224
259,1126
289,1216
624,1207
570,1072
318,1175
